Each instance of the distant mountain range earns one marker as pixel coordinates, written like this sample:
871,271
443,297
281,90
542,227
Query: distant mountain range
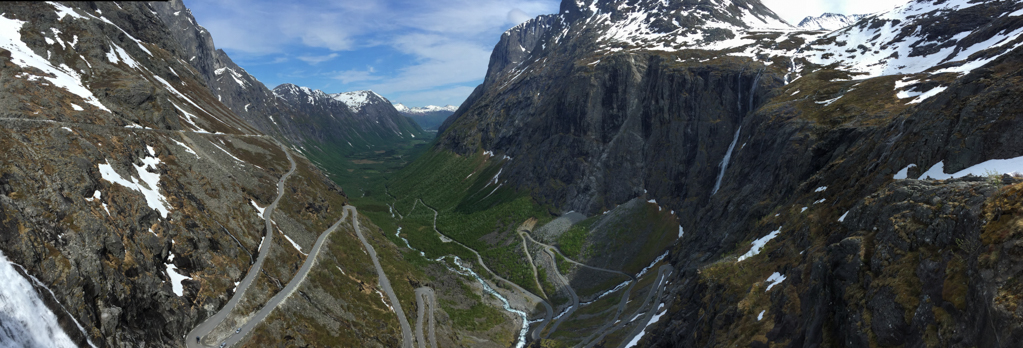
829,21
430,117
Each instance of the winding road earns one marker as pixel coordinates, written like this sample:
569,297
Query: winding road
264,249
385,284
426,298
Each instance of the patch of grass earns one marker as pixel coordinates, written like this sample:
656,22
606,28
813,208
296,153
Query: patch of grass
571,242
478,317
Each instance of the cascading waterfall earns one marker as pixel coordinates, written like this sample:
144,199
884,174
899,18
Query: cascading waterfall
735,139
753,90
724,162
25,321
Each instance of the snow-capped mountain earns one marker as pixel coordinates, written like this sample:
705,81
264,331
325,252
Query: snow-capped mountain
429,117
829,21
351,119
425,109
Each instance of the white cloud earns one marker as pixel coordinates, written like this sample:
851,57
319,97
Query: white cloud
517,16
313,60
355,75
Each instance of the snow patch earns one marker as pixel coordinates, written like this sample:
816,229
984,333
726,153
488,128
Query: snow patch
147,184
775,279
758,245
657,317
63,76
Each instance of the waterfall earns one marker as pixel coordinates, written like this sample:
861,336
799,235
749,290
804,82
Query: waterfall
724,162
25,321
753,90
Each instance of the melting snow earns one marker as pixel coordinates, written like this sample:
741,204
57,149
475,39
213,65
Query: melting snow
63,76
297,247
761,316
821,189
680,232
933,92
775,279
149,185
842,218
175,277
996,166
258,208
657,317
355,100
758,245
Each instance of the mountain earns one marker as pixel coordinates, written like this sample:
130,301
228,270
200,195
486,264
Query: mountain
799,150
364,119
137,208
828,21
429,117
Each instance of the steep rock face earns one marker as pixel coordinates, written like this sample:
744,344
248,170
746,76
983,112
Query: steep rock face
233,87
759,131
362,119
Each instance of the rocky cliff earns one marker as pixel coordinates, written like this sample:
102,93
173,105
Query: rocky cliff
799,143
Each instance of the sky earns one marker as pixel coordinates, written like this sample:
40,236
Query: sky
416,52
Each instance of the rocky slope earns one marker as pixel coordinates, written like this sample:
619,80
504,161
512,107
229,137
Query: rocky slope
131,196
786,138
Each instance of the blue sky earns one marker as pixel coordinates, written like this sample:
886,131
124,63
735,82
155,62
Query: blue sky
417,52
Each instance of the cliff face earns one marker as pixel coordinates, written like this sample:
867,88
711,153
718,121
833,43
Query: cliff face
132,198
286,116
745,131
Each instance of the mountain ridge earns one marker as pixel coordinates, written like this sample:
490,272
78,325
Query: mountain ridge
829,21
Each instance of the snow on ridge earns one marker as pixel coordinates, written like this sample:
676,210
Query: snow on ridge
880,49
238,77
356,100
425,109
829,21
